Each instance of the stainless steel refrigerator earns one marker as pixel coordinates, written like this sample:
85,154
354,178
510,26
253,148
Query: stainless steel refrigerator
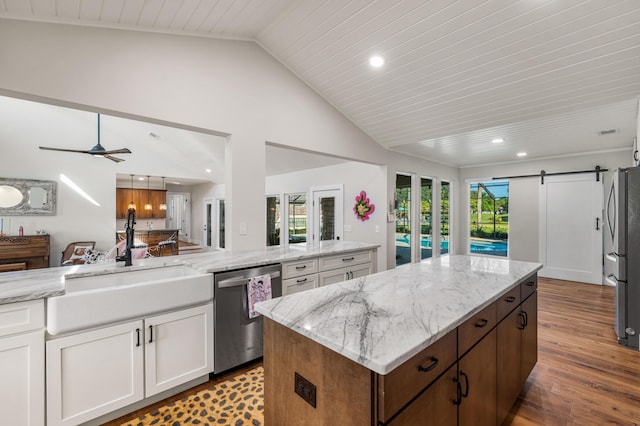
622,262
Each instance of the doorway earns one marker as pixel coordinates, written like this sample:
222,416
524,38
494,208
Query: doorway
327,213
207,237
179,214
571,228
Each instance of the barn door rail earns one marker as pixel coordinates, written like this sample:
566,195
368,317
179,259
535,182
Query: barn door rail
597,170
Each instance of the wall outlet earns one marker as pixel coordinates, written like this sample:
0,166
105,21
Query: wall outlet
377,228
305,389
243,228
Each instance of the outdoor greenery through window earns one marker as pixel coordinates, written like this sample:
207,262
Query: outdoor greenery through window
297,216
403,219
445,188
426,201
489,214
273,221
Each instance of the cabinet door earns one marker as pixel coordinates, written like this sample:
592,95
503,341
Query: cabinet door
123,198
509,360
477,375
529,337
158,197
179,348
343,274
93,373
435,406
22,384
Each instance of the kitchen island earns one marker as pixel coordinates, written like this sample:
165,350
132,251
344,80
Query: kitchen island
446,341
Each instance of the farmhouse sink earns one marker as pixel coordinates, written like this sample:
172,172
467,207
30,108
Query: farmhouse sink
125,278
93,301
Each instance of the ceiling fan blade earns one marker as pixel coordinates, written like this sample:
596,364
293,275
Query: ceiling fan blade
64,150
118,151
115,159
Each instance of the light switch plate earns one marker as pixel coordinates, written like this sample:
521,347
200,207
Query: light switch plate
243,228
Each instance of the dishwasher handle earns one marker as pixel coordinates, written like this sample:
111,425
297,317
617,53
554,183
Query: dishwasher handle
235,282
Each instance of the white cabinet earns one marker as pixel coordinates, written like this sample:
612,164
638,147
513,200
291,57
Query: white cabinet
344,274
93,373
96,372
299,276
179,348
22,363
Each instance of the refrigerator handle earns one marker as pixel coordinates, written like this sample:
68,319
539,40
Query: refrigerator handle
610,222
597,223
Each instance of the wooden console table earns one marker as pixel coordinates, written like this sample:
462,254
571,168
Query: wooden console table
28,252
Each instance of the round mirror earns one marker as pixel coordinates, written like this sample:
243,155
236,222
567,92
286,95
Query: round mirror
9,196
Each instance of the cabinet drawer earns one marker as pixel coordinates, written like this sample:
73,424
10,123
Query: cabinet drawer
295,285
528,286
507,302
345,259
473,329
22,316
299,268
343,274
405,382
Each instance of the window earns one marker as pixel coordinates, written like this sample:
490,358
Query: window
297,217
445,189
221,224
403,219
489,218
273,221
426,202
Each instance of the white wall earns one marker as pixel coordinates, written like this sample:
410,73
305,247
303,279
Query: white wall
523,196
231,87
356,177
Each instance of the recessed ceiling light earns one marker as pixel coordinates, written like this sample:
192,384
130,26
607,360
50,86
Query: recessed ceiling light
153,135
207,170
140,178
376,61
497,140
522,154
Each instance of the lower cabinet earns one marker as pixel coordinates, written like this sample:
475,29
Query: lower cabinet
22,363
92,373
435,406
344,274
517,353
477,384
22,384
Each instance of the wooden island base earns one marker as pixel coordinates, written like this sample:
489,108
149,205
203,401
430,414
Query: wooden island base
471,376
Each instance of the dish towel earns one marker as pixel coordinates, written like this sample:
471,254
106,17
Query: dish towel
258,290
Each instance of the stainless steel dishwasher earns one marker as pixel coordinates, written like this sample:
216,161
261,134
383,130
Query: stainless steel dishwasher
238,338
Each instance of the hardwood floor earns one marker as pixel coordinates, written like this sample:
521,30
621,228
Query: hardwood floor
583,377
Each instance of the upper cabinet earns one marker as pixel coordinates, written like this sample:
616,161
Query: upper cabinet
140,197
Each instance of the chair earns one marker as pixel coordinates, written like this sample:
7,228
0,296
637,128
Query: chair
74,253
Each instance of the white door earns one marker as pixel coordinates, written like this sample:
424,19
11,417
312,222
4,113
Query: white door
571,228
93,373
179,348
327,214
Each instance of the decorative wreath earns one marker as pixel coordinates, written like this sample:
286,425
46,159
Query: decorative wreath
363,208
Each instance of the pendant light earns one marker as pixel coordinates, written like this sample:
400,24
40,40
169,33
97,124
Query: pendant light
163,205
148,206
132,205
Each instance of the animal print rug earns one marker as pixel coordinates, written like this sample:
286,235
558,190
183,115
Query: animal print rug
237,401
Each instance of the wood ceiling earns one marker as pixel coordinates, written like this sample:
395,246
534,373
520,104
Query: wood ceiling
545,75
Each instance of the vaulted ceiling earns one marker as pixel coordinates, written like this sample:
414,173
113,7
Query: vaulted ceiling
547,76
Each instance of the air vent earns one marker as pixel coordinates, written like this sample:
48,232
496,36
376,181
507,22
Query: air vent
607,132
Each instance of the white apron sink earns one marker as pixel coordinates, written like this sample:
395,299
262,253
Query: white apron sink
92,301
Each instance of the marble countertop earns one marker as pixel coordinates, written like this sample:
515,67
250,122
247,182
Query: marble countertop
41,283
382,320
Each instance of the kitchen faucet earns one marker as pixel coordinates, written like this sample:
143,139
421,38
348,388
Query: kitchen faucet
131,220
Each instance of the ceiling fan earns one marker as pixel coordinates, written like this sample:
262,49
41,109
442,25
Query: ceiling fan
97,151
